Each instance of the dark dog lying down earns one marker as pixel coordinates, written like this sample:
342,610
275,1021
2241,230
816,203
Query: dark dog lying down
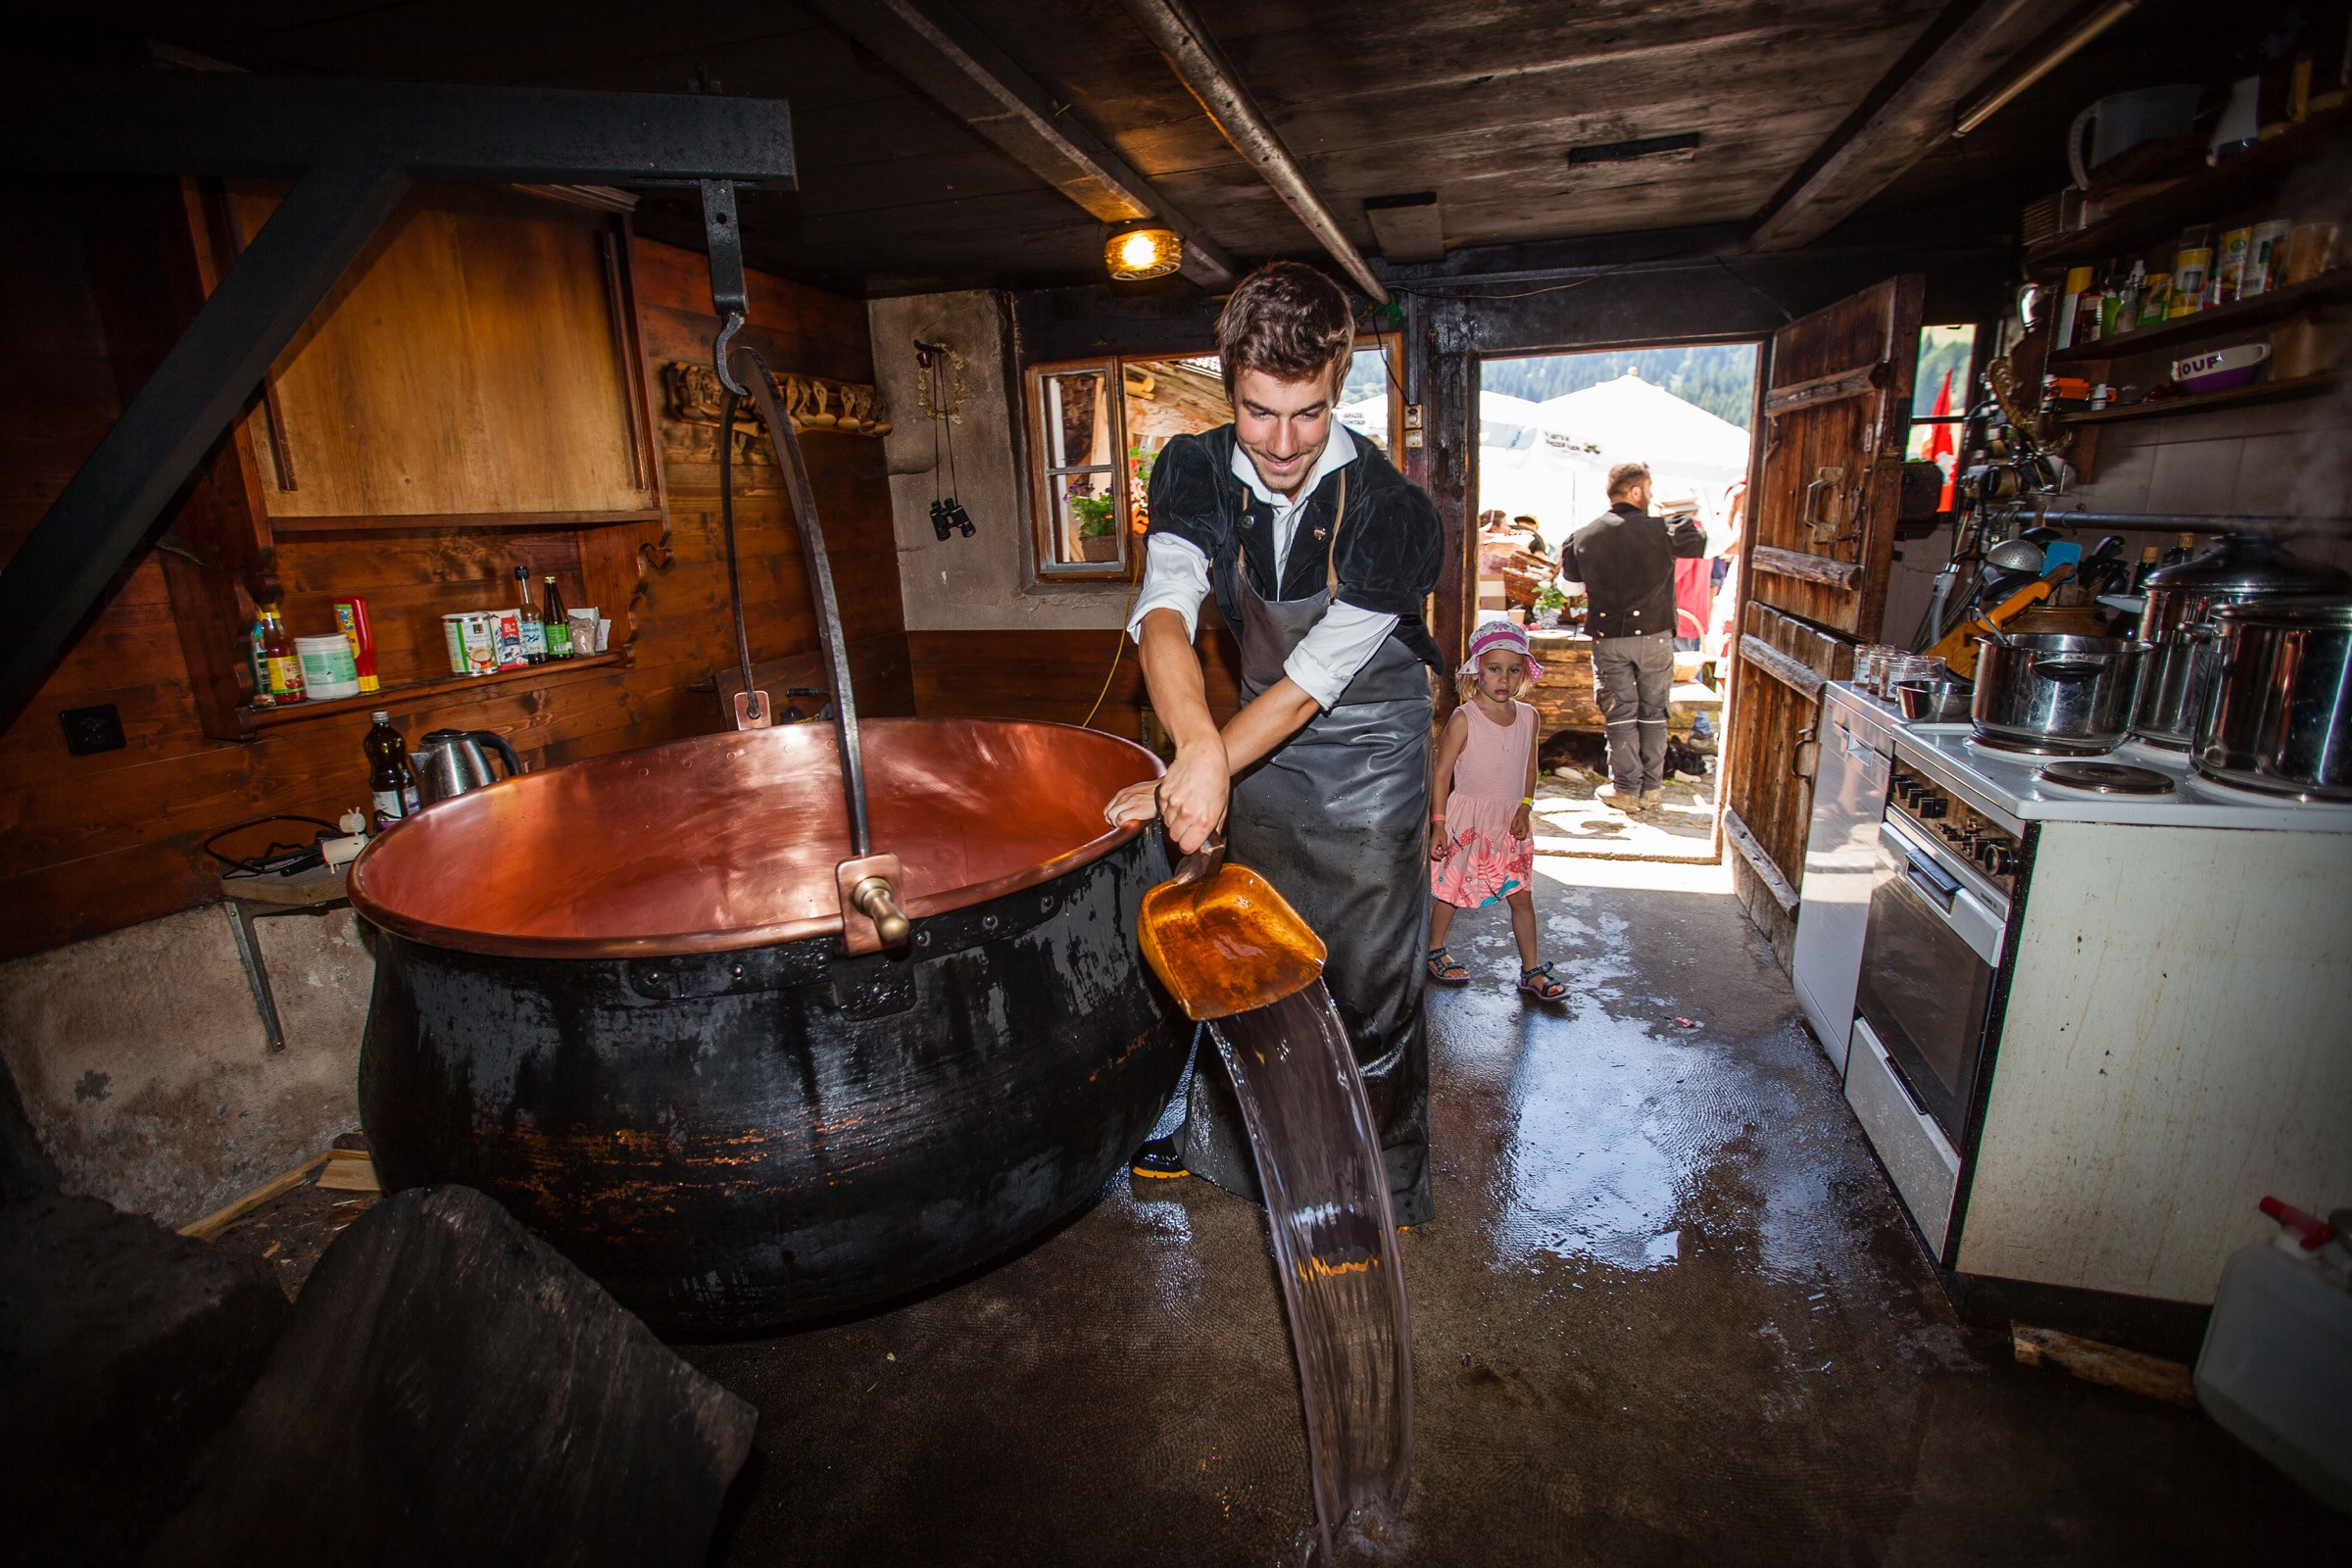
1590,750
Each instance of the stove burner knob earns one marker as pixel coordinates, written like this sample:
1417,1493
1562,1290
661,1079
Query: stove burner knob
1999,859
1935,806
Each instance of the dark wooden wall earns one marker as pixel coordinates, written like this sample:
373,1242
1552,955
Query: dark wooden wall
90,844
1057,675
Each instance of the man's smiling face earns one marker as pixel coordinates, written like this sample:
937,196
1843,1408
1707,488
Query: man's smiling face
1283,426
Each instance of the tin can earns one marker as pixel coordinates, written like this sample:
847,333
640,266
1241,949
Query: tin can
506,629
452,632
2266,261
480,630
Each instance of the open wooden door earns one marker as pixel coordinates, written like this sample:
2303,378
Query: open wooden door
1813,583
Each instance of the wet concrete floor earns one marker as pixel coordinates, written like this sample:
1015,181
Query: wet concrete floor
1668,1312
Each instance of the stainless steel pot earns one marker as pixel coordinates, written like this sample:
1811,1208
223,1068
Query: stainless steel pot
2176,623
2056,693
1934,702
2281,718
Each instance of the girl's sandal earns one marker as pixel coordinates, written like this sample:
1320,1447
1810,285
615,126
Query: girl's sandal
1447,969
1540,984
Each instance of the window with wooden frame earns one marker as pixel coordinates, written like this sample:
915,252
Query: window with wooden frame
1091,451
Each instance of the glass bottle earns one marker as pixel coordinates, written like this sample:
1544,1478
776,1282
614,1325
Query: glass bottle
534,634
556,625
390,784
278,658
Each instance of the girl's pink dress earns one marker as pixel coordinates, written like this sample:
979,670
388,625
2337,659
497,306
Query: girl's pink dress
1485,860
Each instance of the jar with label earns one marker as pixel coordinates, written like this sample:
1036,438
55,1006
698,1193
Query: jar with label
328,671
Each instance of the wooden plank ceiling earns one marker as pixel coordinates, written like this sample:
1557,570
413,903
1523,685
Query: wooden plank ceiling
1481,101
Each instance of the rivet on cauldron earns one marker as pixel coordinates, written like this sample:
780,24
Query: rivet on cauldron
922,939
988,923
1045,905
736,971
655,977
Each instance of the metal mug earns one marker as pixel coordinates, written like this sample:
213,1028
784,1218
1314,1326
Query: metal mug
451,762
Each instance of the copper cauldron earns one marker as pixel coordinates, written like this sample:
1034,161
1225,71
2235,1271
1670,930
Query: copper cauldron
614,995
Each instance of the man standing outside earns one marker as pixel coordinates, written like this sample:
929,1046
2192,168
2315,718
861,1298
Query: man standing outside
1320,554
1625,559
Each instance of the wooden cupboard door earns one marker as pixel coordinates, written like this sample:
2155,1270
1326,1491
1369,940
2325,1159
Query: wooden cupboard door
472,363
1820,545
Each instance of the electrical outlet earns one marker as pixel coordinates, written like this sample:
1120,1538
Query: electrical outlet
91,730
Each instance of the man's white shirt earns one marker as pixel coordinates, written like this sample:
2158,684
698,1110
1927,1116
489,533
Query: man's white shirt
1335,648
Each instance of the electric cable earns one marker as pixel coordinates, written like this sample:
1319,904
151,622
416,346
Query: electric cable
1117,652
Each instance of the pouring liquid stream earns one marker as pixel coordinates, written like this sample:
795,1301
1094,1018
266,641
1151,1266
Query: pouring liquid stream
1317,1152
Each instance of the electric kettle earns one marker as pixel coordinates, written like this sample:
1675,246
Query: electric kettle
451,762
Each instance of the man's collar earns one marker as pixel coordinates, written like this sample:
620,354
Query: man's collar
1338,453
1629,508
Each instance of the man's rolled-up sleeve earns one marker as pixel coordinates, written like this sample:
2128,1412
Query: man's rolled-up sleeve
1335,649
1175,577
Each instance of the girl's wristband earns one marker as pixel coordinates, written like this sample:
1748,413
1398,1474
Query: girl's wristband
1526,800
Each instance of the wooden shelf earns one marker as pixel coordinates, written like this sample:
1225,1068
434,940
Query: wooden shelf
257,721
2277,305
2253,177
432,523
2302,386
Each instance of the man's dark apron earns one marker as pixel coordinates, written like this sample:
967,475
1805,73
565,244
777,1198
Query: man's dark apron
1336,819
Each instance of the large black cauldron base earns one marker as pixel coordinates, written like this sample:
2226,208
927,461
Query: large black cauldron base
735,1141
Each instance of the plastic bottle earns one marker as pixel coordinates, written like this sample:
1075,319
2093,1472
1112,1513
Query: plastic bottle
534,634
391,787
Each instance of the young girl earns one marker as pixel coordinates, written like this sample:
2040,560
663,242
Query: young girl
1482,842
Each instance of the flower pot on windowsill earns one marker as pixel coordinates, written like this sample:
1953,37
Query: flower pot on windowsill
1105,547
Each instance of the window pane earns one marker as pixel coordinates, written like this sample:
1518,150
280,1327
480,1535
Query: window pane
1077,419
1365,395
1086,518
1165,398
1943,352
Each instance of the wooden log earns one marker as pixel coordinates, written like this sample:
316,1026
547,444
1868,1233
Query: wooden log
2133,1371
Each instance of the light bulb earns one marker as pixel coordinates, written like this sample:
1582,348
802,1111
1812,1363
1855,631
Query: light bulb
1141,253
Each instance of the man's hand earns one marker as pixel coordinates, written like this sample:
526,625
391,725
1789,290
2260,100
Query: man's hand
1191,797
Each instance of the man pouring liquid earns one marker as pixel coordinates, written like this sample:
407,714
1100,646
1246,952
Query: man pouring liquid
1320,555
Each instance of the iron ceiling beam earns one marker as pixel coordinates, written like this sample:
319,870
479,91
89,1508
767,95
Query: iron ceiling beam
1193,54
961,69
354,149
1914,112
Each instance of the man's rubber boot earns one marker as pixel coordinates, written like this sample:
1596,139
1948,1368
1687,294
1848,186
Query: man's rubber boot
1158,1158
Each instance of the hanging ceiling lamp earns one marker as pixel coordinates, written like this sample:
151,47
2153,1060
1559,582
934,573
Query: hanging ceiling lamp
1146,251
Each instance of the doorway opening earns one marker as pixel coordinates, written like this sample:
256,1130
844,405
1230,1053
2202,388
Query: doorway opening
1550,428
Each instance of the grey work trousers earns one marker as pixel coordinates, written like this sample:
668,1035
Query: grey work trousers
1632,678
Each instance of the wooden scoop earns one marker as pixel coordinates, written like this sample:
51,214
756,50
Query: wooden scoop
1222,939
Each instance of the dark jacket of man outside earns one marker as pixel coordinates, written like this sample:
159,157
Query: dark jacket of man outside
1625,559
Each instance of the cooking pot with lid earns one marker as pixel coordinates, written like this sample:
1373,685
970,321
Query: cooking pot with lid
2281,718
2176,624
2055,692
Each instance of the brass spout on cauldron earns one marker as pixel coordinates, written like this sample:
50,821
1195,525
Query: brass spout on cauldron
871,917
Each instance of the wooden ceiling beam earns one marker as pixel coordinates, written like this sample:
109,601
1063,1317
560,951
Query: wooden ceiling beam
1914,112
1193,54
952,62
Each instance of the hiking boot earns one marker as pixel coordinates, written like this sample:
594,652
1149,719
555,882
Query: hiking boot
1158,1158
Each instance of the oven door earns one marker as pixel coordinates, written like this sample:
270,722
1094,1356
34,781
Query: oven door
1929,957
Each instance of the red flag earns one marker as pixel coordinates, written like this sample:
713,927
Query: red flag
1942,450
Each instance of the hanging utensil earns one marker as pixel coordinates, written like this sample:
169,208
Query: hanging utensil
1222,939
